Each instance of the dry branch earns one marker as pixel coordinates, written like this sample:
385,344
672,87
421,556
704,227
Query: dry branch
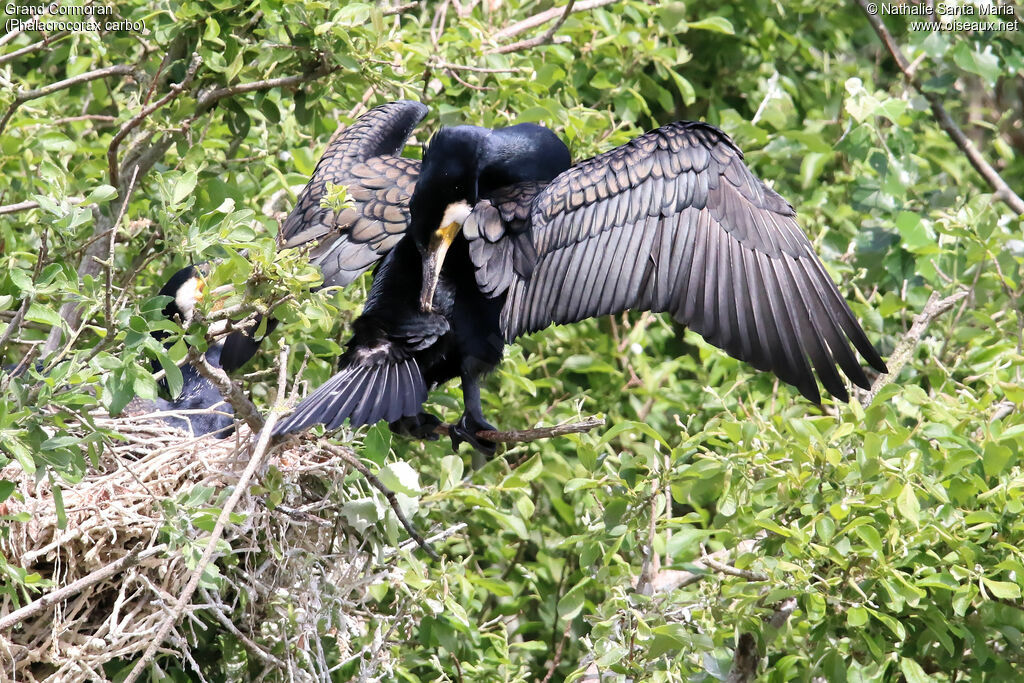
352,459
670,579
32,204
1002,190
132,123
535,434
48,40
23,96
536,41
130,560
901,354
546,16
241,487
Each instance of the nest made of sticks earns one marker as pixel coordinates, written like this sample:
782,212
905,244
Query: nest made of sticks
131,537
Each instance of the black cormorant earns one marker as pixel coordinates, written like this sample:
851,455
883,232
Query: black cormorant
229,353
493,236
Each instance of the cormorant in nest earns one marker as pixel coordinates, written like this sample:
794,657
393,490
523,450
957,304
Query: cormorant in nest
186,288
494,236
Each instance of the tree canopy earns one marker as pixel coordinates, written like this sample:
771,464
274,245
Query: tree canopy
718,526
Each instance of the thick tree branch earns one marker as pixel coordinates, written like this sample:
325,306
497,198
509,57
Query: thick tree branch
905,348
535,434
744,662
1001,189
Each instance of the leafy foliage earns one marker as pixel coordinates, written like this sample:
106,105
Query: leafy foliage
886,538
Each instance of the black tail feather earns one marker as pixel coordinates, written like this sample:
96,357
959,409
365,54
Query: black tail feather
362,394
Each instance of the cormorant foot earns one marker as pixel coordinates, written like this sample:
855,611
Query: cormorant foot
465,431
422,426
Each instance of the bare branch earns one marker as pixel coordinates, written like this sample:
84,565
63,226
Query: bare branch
546,16
231,392
222,521
48,40
670,579
210,98
248,642
398,9
1001,189
723,568
538,40
132,123
901,354
535,434
352,459
24,96
109,264
101,574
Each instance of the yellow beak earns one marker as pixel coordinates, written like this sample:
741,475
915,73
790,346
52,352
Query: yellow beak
440,241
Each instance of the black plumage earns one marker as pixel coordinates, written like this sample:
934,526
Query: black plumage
213,414
504,239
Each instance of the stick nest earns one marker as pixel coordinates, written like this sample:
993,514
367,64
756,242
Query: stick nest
293,571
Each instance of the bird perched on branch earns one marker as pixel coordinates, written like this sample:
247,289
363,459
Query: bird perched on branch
186,289
493,236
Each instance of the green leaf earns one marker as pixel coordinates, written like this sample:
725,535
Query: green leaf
184,187
1004,590
58,503
913,671
908,505
983,62
400,477
570,604
715,24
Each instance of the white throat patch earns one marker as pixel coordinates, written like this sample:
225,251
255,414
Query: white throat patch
456,213
186,298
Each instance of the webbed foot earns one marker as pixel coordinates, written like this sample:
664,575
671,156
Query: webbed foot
465,431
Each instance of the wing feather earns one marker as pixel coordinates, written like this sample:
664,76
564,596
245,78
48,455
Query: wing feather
674,221
365,159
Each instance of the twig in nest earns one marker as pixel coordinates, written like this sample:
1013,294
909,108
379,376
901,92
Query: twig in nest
901,354
222,521
248,642
352,459
535,434
101,574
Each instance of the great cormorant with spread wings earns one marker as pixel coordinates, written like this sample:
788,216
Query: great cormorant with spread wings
493,235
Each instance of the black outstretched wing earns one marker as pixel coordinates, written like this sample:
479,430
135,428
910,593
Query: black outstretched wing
365,158
674,221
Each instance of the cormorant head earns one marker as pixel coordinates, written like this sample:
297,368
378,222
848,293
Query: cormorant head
186,290
464,163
